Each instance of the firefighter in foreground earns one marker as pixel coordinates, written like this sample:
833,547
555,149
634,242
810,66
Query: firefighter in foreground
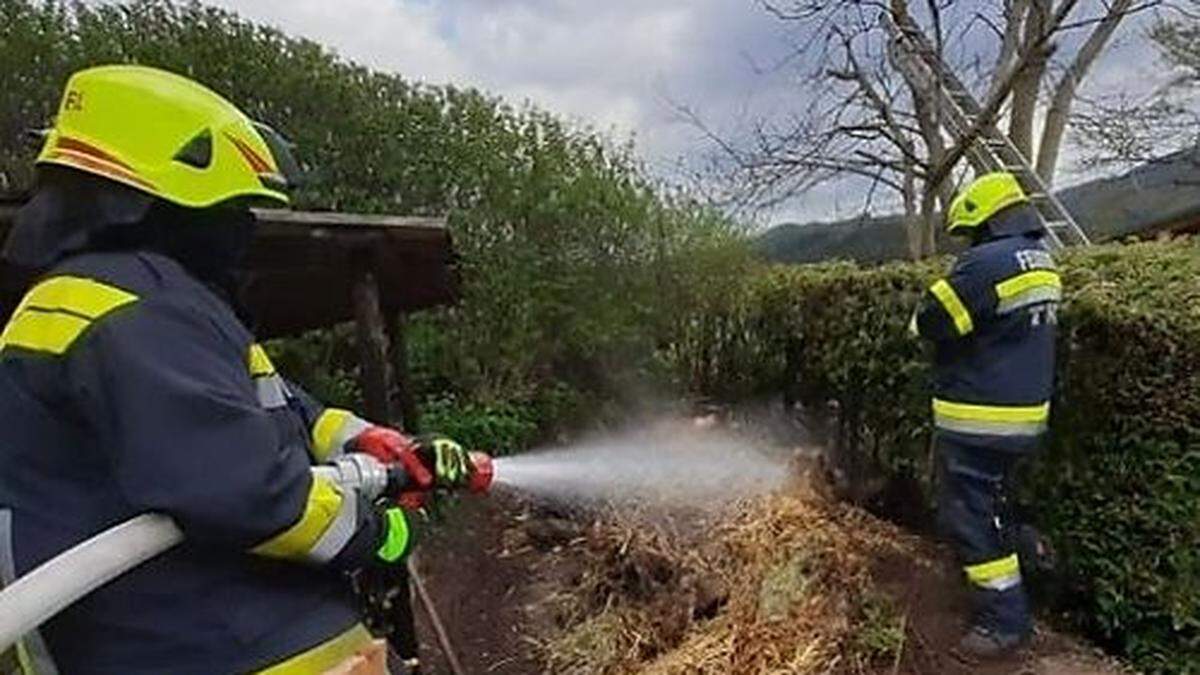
130,383
992,322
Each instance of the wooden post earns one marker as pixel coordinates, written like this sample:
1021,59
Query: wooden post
374,375
390,585
403,401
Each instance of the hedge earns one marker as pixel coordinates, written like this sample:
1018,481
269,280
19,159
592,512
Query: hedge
1118,487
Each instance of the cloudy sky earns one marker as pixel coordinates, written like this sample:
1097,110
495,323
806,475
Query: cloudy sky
613,64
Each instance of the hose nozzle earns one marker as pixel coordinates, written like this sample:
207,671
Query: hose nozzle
485,471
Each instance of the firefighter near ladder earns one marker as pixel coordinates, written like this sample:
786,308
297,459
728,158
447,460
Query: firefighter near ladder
992,323
130,384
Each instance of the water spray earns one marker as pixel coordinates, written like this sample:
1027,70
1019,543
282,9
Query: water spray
673,466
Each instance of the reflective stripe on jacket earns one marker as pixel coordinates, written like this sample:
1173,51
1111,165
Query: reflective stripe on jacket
126,386
993,323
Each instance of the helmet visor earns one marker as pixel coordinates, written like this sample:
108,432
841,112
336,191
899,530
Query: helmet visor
290,175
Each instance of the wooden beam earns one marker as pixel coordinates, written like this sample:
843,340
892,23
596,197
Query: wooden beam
314,255
316,219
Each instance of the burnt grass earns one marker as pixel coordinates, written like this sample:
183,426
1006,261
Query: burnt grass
794,582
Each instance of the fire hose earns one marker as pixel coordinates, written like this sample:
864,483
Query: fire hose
61,581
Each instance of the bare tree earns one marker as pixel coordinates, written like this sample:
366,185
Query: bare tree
1124,129
869,117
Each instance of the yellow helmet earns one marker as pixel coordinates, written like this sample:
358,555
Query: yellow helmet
985,197
167,136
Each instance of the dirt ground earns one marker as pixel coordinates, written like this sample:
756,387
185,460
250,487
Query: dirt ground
504,575
936,603
480,586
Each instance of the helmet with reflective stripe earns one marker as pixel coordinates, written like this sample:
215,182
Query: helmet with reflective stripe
167,136
983,199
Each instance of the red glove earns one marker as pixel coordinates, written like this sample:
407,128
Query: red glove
392,447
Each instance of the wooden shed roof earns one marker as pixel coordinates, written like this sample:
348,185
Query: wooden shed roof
303,266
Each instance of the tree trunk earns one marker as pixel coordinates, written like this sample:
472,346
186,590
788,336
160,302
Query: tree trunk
912,223
931,132
1028,84
1064,92
1015,12
930,221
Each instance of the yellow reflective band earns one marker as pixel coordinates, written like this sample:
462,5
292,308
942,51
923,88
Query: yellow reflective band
333,430
57,311
39,331
991,420
77,295
1023,282
324,503
395,540
1000,574
954,306
325,433
1029,288
258,362
325,656
991,413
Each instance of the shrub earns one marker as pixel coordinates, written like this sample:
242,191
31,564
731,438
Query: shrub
1118,488
498,429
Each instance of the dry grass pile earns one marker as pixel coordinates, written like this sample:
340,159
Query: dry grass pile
784,585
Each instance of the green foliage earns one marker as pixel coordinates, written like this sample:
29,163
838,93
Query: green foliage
498,429
323,364
575,267
1119,488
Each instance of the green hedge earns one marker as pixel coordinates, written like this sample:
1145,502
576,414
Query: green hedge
1118,489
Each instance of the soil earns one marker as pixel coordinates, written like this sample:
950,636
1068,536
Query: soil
499,570
937,604
491,566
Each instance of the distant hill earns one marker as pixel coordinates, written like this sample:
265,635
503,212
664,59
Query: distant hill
1160,195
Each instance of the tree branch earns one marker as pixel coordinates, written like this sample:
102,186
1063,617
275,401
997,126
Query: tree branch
1064,92
991,108
1014,22
1028,83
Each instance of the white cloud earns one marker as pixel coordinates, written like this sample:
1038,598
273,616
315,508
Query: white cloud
602,64
613,65
394,36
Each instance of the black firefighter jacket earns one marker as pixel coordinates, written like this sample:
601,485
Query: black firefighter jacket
993,323
127,387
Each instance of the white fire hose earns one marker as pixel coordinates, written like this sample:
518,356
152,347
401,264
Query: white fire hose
64,579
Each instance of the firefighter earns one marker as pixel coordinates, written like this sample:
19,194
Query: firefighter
129,383
992,322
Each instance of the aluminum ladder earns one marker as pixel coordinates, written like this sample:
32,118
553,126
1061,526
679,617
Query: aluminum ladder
992,148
